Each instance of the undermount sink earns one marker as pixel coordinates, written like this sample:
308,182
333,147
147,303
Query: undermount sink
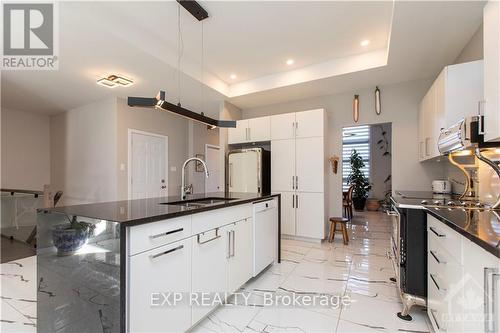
197,203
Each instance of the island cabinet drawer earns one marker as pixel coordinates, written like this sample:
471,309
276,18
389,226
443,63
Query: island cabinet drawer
148,236
447,238
216,218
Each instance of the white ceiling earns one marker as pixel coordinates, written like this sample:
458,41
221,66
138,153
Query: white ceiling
251,39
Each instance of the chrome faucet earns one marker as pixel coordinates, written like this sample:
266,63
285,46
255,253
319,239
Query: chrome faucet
185,189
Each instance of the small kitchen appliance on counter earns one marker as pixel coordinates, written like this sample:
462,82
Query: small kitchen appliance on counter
441,186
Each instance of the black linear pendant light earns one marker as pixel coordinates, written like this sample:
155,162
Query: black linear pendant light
159,102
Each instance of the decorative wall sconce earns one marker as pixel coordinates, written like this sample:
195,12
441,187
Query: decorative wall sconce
355,108
378,105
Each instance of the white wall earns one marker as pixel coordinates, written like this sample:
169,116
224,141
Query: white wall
399,107
199,137
83,146
25,157
473,50
227,111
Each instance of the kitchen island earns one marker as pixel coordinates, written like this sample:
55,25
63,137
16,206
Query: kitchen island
147,263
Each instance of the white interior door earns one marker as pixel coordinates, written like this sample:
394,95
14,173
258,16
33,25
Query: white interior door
148,171
212,159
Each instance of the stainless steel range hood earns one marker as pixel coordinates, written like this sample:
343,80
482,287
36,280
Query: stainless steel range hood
462,135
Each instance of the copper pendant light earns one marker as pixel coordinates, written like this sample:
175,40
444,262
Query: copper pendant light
355,108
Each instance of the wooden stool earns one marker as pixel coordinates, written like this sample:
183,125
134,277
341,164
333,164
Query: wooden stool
333,227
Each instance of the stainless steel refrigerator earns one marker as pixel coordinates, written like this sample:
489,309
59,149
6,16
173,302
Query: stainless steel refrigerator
249,170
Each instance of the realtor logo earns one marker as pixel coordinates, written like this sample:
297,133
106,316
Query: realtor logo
29,36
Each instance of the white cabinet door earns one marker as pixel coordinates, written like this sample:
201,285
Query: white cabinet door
491,33
239,242
283,165
259,129
309,164
309,123
479,267
265,234
288,213
162,270
238,134
310,215
283,126
208,268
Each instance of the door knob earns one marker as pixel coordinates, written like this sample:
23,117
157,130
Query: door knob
164,187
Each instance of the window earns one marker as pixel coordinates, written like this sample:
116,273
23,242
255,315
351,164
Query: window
358,138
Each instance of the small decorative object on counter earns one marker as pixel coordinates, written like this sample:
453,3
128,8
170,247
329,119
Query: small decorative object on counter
69,238
355,108
378,105
334,160
372,204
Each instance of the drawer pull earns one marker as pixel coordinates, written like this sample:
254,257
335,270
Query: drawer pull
437,233
435,320
434,279
166,233
217,236
154,256
439,261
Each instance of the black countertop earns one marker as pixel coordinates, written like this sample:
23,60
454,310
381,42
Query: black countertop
481,226
133,212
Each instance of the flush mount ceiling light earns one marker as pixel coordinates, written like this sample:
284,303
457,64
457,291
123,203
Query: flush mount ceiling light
365,42
159,102
233,77
113,81
290,62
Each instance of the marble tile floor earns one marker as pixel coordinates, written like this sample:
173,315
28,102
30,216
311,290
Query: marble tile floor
358,274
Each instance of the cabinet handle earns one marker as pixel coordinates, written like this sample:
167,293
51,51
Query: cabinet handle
480,113
293,183
296,182
490,322
232,251
436,232
293,201
249,134
217,236
228,245
435,320
297,203
166,233
434,279
154,256
436,258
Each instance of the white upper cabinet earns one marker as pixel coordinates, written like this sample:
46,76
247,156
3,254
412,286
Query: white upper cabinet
259,129
309,123
283,165
309,165
283,126
250,130
456,94
491,33
238,134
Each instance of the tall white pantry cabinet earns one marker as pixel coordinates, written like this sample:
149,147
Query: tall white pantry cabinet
298,171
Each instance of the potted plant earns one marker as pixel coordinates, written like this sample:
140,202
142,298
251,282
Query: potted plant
358,179
69,237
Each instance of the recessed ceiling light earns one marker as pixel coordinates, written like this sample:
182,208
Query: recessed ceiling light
365,42
113,81
290,62
233,76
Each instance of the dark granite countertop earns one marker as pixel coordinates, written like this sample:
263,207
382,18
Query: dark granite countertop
133,212
413,199
480,226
